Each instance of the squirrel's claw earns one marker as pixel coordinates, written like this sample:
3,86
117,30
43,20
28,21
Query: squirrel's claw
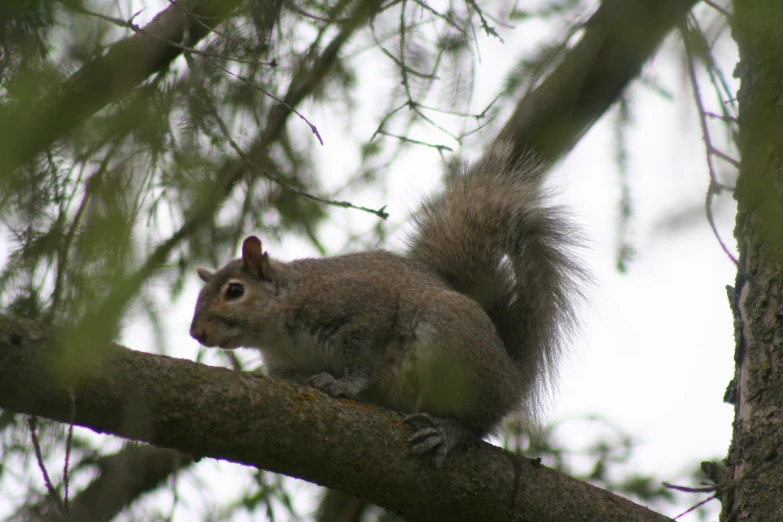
432,436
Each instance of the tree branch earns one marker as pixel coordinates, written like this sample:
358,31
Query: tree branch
618,40
285,428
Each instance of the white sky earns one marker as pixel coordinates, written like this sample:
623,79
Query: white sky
656,353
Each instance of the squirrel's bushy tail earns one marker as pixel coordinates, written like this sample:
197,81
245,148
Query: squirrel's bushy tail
490,235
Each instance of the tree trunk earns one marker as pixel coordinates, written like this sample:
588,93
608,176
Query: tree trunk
755,476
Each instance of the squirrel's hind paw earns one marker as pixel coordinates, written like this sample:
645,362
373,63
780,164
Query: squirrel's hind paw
435,436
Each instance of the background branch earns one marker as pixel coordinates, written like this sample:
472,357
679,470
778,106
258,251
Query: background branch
618,40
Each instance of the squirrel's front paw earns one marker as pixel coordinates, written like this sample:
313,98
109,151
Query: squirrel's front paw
334,387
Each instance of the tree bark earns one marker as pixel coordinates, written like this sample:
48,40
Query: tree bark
281,427
752,489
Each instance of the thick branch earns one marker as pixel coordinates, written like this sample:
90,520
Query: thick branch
125,65
287,429
618,39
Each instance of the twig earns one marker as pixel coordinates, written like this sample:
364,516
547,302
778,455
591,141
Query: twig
477,129
431,122
381,213
715,186
386,118
295,8
697,506
417,142
723,484
487,28
718,8
31,422
313,128
725,157
478,116
728,119
686,489
68,443
437,13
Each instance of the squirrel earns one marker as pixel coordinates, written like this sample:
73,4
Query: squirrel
462,330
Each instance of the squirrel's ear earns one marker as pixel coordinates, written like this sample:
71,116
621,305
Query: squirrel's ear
256,261
204,274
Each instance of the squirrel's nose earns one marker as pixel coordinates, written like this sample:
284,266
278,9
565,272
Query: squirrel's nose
198,334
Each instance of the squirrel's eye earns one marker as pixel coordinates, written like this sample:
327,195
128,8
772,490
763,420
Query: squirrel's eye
234,291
